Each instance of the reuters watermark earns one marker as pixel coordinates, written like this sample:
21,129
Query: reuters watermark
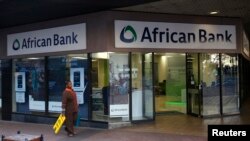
239,132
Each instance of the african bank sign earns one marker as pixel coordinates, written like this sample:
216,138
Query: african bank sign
65,38
137,34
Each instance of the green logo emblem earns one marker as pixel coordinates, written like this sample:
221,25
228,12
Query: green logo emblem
128,29
16,45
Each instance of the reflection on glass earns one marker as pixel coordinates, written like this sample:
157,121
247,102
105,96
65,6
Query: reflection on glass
230,83
100,87
210,82
119,85
57,71
148,85
60,69
194,97
137,87
32,98
142,94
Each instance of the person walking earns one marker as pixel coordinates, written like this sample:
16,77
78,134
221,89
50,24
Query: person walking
69,108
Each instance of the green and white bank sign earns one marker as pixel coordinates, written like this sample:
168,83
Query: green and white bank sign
64,38
138,34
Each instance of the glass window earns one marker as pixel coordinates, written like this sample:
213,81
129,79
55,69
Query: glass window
110,77
100,87
119,86
110,91
73,67
230,83
29,85
58,73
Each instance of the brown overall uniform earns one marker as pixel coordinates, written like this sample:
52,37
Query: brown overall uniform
69,103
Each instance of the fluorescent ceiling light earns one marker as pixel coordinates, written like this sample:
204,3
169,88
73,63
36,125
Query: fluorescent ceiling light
168,56
213,12
33,58
78,57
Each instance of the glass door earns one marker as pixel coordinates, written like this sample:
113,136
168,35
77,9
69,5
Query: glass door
147,84
142,93
212,84
230,83
193,84
210,79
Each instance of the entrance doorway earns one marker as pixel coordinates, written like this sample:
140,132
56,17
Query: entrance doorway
170,82
200,84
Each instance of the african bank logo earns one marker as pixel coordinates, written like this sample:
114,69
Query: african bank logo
128,34
16,45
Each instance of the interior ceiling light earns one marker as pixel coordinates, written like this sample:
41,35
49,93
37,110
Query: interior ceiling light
79,57
32,58
213,12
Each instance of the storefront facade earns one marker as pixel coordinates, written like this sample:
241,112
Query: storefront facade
125,66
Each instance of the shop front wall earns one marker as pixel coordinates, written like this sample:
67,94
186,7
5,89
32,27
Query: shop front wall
37,84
